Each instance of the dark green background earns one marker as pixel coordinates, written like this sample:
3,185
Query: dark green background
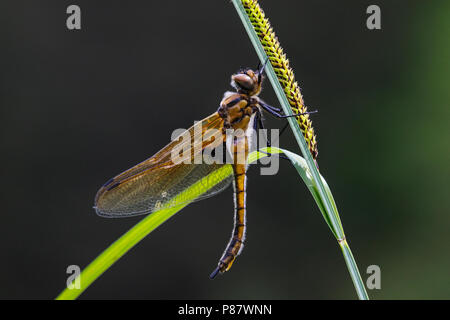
78,107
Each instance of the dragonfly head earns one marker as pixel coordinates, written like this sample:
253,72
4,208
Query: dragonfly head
247,81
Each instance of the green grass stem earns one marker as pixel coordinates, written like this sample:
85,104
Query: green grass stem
321,190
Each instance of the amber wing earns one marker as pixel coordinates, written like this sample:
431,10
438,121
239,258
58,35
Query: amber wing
159,180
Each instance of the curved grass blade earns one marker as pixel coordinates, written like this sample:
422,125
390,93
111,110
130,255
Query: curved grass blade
321,192
302,168
121,246
139,232
127,241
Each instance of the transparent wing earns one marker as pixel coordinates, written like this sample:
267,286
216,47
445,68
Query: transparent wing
161,181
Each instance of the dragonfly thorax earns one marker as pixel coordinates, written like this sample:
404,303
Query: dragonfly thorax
236,109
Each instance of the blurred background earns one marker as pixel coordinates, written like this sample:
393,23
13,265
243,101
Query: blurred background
78,107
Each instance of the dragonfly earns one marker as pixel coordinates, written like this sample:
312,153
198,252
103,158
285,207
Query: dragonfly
156,182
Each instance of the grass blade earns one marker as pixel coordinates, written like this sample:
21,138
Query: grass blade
302,168
127,241
305,166
268,48
121,246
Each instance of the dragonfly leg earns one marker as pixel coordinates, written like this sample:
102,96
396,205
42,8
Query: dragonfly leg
260,124
277,112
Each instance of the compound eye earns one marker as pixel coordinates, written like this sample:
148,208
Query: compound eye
244,81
